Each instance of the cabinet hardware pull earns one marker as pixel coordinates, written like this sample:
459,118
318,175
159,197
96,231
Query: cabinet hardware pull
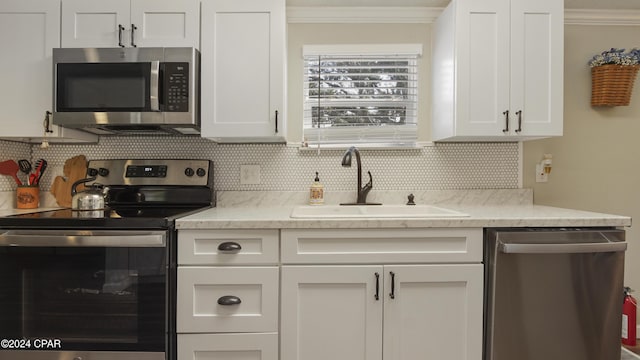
133,35
519,113
506,121
377,296
392,294
276,121
47,122
229,246
120,28
229,300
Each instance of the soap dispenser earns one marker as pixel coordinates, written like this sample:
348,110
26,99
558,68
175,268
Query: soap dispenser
316,192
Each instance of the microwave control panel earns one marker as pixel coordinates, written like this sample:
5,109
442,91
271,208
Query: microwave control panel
176,93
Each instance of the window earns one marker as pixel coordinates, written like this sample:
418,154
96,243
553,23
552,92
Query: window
361,94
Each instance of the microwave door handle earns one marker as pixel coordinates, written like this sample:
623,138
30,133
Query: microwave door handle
154,86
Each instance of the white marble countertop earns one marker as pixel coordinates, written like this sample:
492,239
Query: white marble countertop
512,208
486,208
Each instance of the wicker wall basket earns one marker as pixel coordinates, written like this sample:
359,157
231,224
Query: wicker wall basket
611,85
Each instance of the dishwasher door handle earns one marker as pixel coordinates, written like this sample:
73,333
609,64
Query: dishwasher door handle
562,248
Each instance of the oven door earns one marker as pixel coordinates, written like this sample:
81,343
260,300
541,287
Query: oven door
83,294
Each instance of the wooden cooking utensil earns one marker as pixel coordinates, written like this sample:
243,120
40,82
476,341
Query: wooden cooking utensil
11,168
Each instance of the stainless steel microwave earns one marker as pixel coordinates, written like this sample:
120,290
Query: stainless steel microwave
127,91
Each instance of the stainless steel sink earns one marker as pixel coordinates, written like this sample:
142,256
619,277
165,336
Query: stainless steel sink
374,211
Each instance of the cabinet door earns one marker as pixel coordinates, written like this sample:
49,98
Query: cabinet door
165,23
228,346
94,23
537,49
243,69
435,312
482,47
507,82
330,312
28,32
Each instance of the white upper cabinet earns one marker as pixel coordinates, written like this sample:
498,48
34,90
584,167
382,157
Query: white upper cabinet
498,70
243,70
130,23
29,30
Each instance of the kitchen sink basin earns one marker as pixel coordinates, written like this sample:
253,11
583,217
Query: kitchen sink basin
374,211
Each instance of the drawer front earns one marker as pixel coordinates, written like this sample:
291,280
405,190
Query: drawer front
228,247
228,346
358,246
249,298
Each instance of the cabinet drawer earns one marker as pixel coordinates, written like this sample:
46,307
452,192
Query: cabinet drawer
201,289
357,246
245,247
228,346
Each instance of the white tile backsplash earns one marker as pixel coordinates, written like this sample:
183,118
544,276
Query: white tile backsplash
445,166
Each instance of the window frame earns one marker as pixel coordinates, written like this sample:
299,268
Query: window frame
402,136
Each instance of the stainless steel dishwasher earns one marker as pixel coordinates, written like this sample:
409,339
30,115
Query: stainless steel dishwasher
553,293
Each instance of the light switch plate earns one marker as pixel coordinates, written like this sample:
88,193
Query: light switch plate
249,174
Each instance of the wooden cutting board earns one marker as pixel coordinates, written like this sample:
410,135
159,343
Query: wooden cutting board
74,170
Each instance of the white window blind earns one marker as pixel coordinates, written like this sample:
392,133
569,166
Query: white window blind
361,94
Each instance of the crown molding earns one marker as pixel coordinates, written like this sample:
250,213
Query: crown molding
362,14
602,17
428,15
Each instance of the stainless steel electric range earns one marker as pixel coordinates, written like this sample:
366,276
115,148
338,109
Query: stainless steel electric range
100,284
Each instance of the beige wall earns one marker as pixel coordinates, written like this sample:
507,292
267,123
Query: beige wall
596,164
308,34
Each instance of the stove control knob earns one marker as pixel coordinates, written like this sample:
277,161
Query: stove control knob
103,172
201,172
92,172
189,172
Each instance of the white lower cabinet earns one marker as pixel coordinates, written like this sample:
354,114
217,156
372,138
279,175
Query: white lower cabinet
390,311
330,312
399,312
435,312
227,302
339,294
228,346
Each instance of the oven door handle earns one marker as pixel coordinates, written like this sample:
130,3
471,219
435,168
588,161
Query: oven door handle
82,239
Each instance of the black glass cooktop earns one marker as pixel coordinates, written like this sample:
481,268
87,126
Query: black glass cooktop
112,218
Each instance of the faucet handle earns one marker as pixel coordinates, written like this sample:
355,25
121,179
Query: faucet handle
410,200
370,183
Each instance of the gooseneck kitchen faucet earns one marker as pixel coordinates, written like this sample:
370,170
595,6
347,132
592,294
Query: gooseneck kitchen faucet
361,191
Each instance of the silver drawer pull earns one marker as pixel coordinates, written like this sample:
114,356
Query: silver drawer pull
229,246
229,300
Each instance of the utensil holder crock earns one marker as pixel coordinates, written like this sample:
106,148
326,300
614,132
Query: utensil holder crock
27,197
